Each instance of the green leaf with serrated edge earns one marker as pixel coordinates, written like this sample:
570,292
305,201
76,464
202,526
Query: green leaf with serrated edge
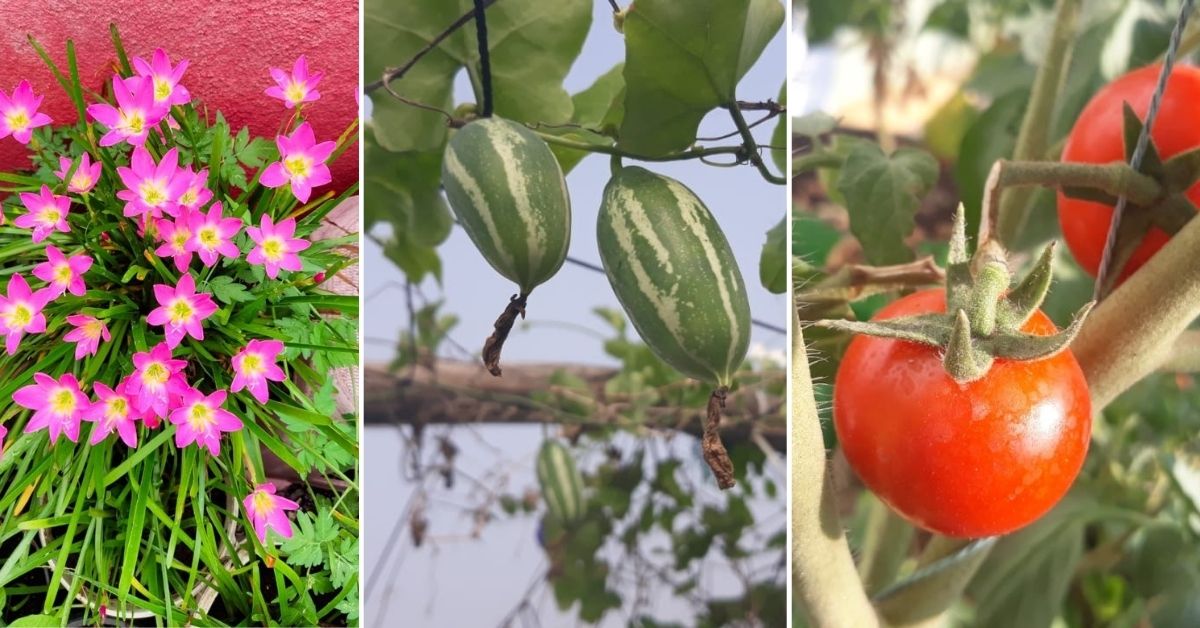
772,262
531,50
882,195
684,59
590,123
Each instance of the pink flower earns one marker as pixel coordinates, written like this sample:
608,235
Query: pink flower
212,235
268,510
181,309
19,113
3,433
155,378
47,212
133,117
85,177
151,189
175,236
57,405
195,191
112,411
201,419
164,78
301,162
64,274
21,312
87,334
254,365
300,87
276,247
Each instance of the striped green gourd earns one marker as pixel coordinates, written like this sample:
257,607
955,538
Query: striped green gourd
562,486
673,271
508,193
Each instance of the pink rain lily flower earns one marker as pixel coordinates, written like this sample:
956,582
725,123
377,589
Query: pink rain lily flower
47,212
87,334
254,365
195,192
85,177
64,274
133,117
268,510
151,189
58,405
112,411
175,236
21,312
299,87
181,310
301,163
156,377
3,433
212,235
276,248
19,113
201,419
164,78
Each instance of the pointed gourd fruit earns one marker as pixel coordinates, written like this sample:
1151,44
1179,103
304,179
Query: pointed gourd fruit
673,272
561,484
508,193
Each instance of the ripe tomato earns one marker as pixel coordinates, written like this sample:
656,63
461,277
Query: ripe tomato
970,460
1098,137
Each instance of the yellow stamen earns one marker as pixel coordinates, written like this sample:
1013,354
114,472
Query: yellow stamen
209,238
298,166
152,193
92,330
51,215
162,89
296,92
132,123
155,374
188,198
201,418
62,402
116,408
180,311
179,239
63,273
273,248
81,181
17,119
252,364
19,316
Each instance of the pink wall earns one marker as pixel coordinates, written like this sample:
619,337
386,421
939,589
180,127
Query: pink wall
230,44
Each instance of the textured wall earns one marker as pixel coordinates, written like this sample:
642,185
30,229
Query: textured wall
230,44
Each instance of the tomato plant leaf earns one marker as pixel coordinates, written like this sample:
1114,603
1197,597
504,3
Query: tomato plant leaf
532,49
682,59
882,195
772,263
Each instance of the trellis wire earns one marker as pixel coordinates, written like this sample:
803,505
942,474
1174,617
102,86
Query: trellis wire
1139,151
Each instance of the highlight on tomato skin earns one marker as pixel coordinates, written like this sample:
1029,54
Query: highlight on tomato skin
1098,137
971,460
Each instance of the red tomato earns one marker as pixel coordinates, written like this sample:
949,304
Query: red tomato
1098,137
965,460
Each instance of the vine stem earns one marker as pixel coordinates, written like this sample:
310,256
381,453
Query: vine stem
751,147
485,58
695,153
1032,139
1133,331
823,573
392,74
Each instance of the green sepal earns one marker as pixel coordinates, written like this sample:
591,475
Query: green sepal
1021,346
1023,301
926,329
963,359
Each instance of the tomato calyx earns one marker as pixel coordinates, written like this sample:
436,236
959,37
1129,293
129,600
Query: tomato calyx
983,317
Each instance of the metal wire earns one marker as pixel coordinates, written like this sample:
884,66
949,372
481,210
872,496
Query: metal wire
1143,141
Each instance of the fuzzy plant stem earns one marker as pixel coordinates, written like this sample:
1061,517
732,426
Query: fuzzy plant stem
1133,331
1033,138
823,573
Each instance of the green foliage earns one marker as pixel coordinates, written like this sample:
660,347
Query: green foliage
682,60
772,263
882,195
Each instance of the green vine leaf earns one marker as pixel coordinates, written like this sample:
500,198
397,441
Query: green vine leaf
882,195
682,59
595,109
401,189
772,263
532,49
